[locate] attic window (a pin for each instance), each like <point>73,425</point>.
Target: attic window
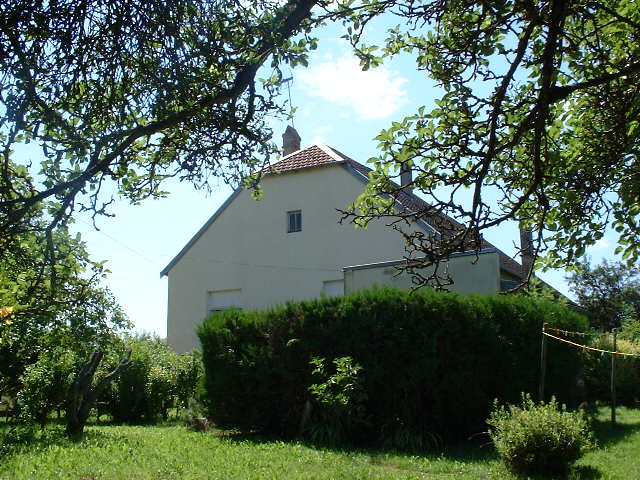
<point>294,221</point>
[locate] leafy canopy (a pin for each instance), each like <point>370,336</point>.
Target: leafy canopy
<point>610,292</point>
<point>537,121</point>
<point>46,305</point>
<point>132,92</point>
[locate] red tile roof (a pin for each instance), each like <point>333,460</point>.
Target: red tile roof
<point>320,155</point>
<point>313,156</point>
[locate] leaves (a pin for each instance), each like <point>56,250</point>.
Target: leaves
<point>132,93</point>
<point>609,292</point>
<point>534,119</point>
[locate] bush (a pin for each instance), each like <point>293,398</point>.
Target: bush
<point>188,377</point>
<point>538,438</point>
<point>339,401</point>
<point>597,372</point>
<point>144,391</point>
<point>432,362</point>
<point>45,384</point>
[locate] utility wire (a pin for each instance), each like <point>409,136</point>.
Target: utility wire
<point>122,244</point>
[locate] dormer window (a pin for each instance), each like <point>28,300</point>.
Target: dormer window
<point>294,221</point>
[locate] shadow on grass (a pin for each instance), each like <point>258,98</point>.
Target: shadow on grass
<point>26,438</point>
<point>579,472</point>
<point>480,450</point>
<point>608,434</point>
<point>584,472</point>
<point>477,450</point>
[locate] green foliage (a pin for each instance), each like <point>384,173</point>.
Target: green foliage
<point>188,375</point>
<point>143,392</point>
<point>170,90</point>
<point>597,371</point>
<point>609,292</point>
<point>53,293</point>
<point>429,360</point>
<point>156,380</point>
<point>535,113</point>
<point>630,331</point>
<point>339,400</point>
<point>45,384</point>
<point>538,438</point>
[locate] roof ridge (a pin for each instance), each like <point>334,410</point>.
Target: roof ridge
<point>337,156</point>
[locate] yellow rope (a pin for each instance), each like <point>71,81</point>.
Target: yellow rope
<point>585,347</point>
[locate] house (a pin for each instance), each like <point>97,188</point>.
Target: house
<point>289,245</point>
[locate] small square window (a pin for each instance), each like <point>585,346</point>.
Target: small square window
<point>294,221</point>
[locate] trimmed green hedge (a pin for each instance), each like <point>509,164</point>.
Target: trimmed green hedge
<point>432,363</point>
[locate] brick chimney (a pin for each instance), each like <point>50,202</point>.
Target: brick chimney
<point>526,248</point>
<point>406,176</point>
<point>290,141</point>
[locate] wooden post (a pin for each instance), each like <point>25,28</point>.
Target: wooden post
<point>543,363</point>
<point>613,377</point>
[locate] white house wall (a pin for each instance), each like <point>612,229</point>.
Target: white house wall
<point>247,248</point>
<point>471,274</point>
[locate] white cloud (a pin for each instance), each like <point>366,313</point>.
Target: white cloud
<point>373,94</point>
<point>319,134</point>
<point>304,111</point>
<point>602,243</point>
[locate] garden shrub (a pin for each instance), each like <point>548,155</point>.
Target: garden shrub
<point>432,362</point>
<point>597,371</point>
<point>188,376</point>
<point>630,331</point>
<point>45,384</point>
<point>538,438</point>
<point>143,392</point>
<point>338,401</point>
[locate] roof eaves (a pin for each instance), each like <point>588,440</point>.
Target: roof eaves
<point>199,233</point>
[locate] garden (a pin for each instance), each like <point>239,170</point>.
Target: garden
<point>379,384</point>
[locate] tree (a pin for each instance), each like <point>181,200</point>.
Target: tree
<point>47,306</point>
<point>126,92</point>
<point>133,92</point>
<point>537,121</point>
<point>83,393</point>
<point>609,292</point>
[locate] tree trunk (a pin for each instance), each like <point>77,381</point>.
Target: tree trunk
<point>82,396</point>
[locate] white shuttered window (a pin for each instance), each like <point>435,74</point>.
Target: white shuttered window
<point>223,299</point>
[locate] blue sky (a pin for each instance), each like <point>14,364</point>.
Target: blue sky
<point>338,105</point>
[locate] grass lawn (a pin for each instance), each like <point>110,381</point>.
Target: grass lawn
<point>173,452</point>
